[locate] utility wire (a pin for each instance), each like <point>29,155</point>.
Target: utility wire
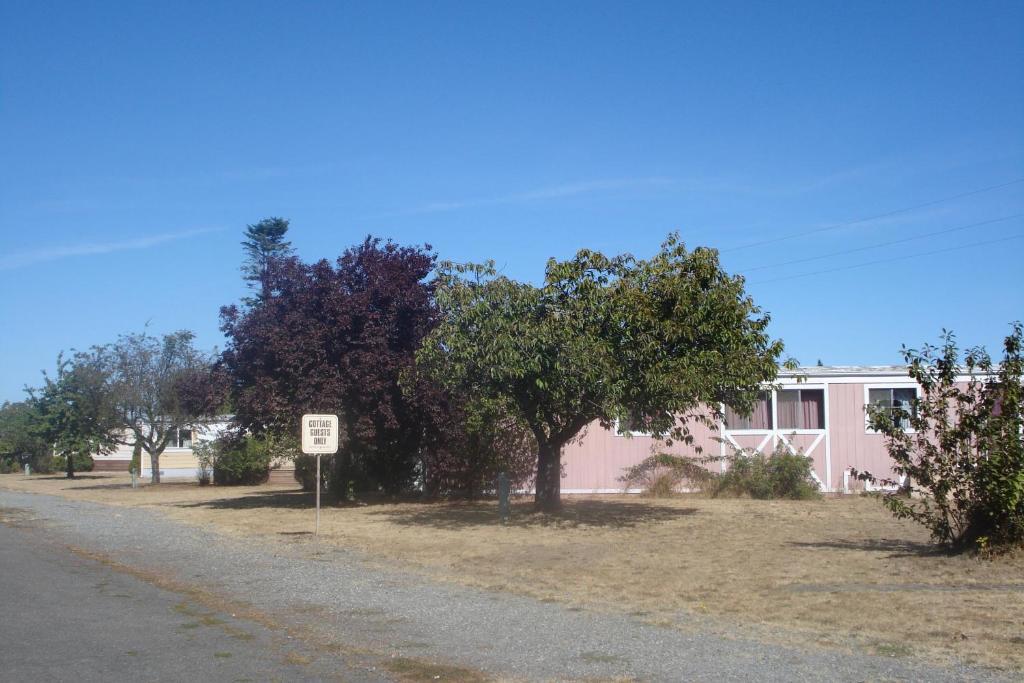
<point>889,260</point>
<point>882,244</point>
<point>837,226</point>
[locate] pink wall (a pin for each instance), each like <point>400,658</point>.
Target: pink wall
<point>595,462</point>
<point>851,444</point>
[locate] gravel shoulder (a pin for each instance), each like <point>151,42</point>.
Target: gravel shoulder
<point>335,600</point>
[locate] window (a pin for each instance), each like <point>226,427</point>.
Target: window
<point>801,409</point>
<point>893,399</point>
<point>633,426</point>
<point>180,438</point>
<point>760,417</point>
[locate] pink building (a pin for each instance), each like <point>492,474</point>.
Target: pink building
<point>823,415</point>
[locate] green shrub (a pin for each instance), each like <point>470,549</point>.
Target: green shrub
<point>779,475</point>
<point>963,454</point>
<point>82,463</point>
<point>235,460</point>
<point>305,471</point>
<point>10,464</point>
<point>662,475</point>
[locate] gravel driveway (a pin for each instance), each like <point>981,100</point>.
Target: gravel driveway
<point>336,600</point>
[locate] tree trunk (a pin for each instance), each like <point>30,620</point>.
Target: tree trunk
<point>154,464</point>
<point>70,465</point>
<point>548,497</point>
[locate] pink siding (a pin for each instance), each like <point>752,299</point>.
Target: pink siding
<point>852,445</point>
<point>600,457</point>
<point>595,462</point>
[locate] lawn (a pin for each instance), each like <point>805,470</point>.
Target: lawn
<point>839,572</point>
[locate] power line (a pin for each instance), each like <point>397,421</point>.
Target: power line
<point>837,226</point>
<point>882,244</point>
<point>889,260</point>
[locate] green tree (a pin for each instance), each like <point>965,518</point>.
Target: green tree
<point>153,384</point>
<point>264,241</point>
<point>20,441</point>
<point>960,444</point>
<point>76,410</point>
<point>664,340</point>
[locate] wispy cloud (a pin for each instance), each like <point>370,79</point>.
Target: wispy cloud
<point>541,194</point>
<point>29,257</point>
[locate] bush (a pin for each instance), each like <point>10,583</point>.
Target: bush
<point>305,471</point>
<point>236,459</point>
<point>82,463</point>
<point>662,475</point>
<point>779,475</point>
<point>964,451</point>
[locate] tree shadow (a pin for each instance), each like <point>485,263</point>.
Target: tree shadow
<point>62,477</point>
<point>462,514</point>
<point>895,547</point>
<point>574,514</point>
<point>291,500</point>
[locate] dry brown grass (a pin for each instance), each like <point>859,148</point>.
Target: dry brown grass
<point>838,572</point>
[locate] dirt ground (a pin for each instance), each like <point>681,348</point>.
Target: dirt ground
<point>839,572</point>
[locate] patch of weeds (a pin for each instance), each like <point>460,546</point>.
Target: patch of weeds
<point>210,620</point>
<point>600,658</point>
<point>893,650</point>
<point>132,653</point>
<point>411,645</point>
<point>222,655</point>
<point>297,659</point>
<point>239,634</point>
<point>190,625</point>
<point>417,671</point>
<point>364,612</point>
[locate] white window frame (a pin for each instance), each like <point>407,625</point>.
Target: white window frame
<point>887,385</point>
<point>629,433</point>
<point>177,435</point>
<point>771,413</point>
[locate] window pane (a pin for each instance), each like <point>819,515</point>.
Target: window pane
<point>789,409</point>
<point>760,418</point>
<point>812,408</point>
<point>880,397</point>
<point>904,399</point>
<point>185,438</point>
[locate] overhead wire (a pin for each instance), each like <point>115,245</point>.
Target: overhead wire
<point>837,226</point>
<point>890,260</point>
<point>879,245</point>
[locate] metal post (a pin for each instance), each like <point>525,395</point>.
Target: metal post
<point>316,532</point>
<point>135,479</point>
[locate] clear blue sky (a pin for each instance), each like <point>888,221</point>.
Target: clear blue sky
<point>138,139</point>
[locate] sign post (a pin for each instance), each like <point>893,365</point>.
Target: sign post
<point>319,436</point>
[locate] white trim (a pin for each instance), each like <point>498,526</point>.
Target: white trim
<point>828,446</point>
<point>630,433</point>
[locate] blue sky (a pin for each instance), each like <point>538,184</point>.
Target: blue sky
<point>138,139</point>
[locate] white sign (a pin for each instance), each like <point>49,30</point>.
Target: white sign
<point>319,434</point>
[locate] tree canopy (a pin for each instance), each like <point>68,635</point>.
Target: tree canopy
<point>336,339</point>
<point>152,384</point>
<point>75,410</point>
<point>664,340</point>
<point>264,242</point>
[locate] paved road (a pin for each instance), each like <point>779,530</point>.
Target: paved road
<point>373,620</point>
<point>64,617</point>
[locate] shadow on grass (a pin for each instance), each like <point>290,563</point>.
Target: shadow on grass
<point>574,513</point>
<point>291,500</point>
<point>462,515</point>
<point>893,546</point>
